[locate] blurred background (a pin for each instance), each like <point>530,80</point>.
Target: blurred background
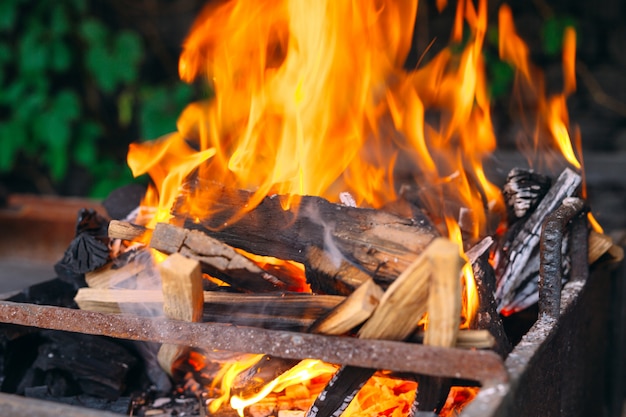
<point>80,80</point>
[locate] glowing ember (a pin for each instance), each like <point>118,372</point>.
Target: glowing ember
<point>311,98</point>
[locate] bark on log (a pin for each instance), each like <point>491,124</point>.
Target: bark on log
<point>125,230</point>
<point>218,259</point>
<point>381,243</point>
<point>517,263</point>
<point>487,316</point>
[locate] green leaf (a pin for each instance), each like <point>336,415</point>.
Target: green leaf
<point>29,106</point>
<point>32,52</point>
<point>85,151</point>
<point>160,108</point>
<point>101,68</point>
<point>66,105</point>
<point>54,133</point>
<point>59,23</point>
<point>93,31</point>
<point>117,176</point>
<point>552,33</point>
<point>8,14</point>
<point>6,53</point>
<point>12,136</point>
<point>61,57</point>
<point>125,103</point>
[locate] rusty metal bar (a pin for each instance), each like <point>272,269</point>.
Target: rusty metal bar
<point>550,271</point>
<point>485,367</point>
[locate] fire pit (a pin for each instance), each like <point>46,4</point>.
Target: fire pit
<point>328,238</point>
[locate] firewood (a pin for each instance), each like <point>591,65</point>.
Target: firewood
<point>523,191</point>
<point>380,243</point>
<point>444,316</point>
<point>136,271</point>
<point>601,244</point>
<point>327,276</point>
<point>125,230</point>
<point>292,311</point>
<point>396,317</point>
<point>351,312</point>
<point>218,259</point>
<point>517,265</point>
<point>183,299</point>
<point>444,295</point>
<point>466,339</point>
<point>487,316</point>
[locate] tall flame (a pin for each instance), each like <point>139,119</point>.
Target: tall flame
<point>312,98</point>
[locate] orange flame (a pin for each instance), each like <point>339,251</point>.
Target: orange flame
<point>311,98</point>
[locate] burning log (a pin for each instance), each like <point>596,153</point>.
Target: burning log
<point>406,297</point>
<point>218,259</point>
<point>351,312</point>
<point>274,311</point>
<point>380,243</point>
<point>125,230</point>
<point>325,276</point>
<point>517,263</point>
<point>444,315</point>
<point>182,300</point>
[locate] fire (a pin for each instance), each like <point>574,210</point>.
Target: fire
<point>312,98</point>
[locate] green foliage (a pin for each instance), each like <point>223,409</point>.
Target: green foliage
<point>63,69</point>
<point>552,33</point>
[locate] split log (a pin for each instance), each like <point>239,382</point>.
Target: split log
<point>328,276</point>
<point>380,243</point>
<point>273,311</point>
<point>132,269</point>
<point>517,262</point>
<point>182,300</point>
<point>396,317</point>
<point>351,312</point>
<point>125,230</point>
<point>601,244</point>
<point>218,259</point>
<point>444,316</point>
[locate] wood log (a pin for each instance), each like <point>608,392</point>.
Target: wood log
<point>523,191</point>
<point>517,264</point>
<point>351,312</point>
<point>380,243</point>
<point>601,244</point>
<point>327,276</point>
<point>218,259</point>
<point>444,317</point>
<point>183,299</point>
<point>125,230</point>
<point>273,311</point>
<point>396,317</point>
<point>132,269</point>
<point>487,316</point>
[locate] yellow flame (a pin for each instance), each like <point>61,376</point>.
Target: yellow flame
<point>302,372</point>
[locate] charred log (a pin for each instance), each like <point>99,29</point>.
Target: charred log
<point>380,243</point>
<point>517,261</point>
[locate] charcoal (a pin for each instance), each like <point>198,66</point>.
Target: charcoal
<point>88,251</point>
<point>99,366</point>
